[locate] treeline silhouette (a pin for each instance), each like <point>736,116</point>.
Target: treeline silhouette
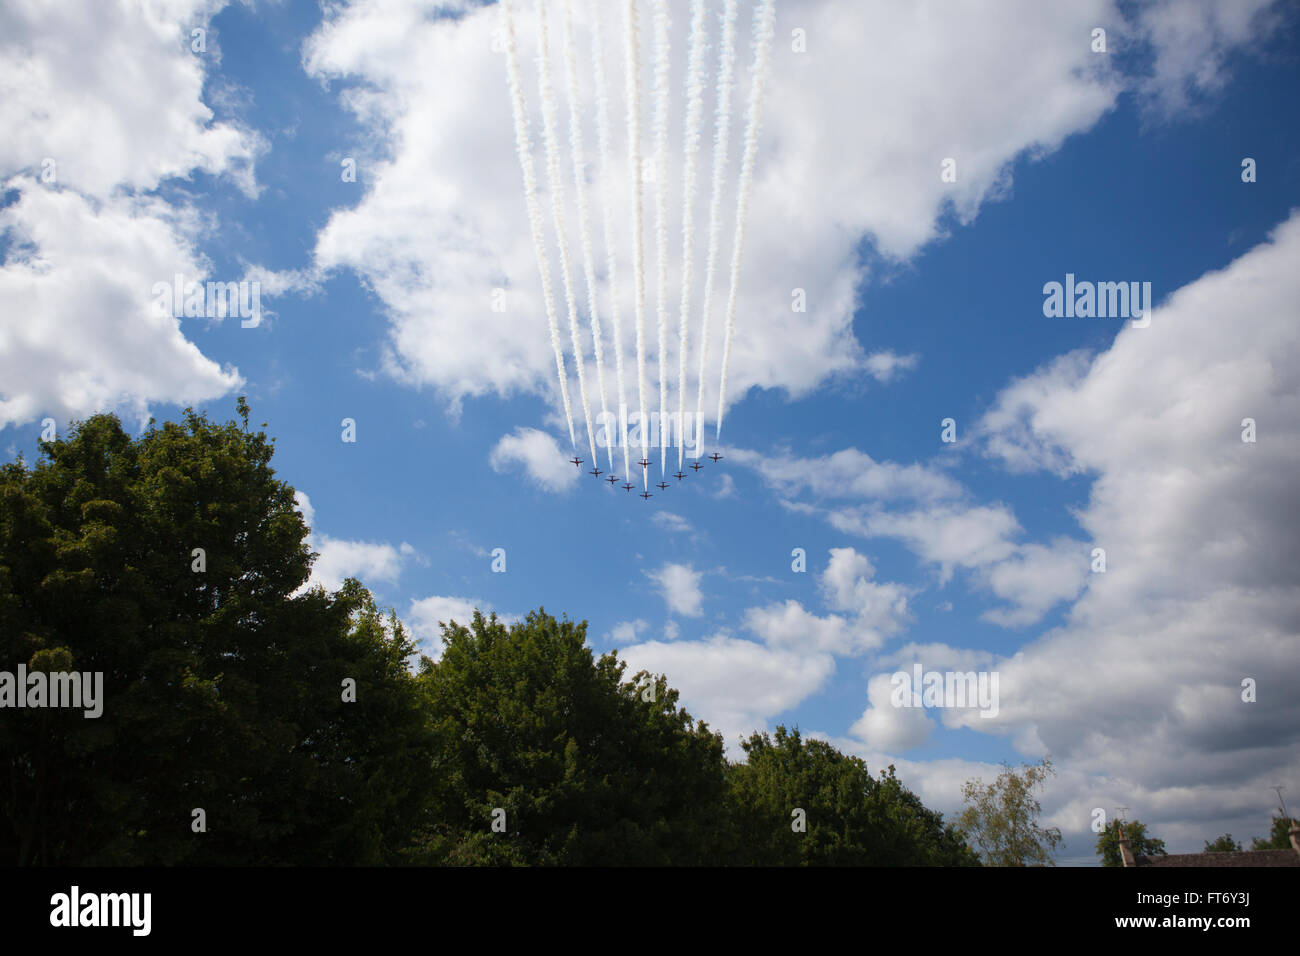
<point>174,562</point>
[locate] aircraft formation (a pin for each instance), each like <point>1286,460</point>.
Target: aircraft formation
<point>645,474</point>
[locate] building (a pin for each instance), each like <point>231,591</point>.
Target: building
<point>1289,857</point>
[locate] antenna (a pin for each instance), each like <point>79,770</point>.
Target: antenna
<point>1120,811</point>
<point>1279,790</point>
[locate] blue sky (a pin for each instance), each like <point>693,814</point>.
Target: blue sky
<point>1116,166</point>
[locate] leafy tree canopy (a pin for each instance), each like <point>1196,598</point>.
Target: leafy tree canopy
<point>1141,843</point>
<point>802,802</point>
<point>172,563</point>
<point>1279,837</point>
<point>576,764</point>
<point>1002,817</point>
<point>1223,844</point>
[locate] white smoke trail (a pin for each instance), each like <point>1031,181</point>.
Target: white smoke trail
<point>763,18</point>
<point>584,227</point>
<point>722,126</point>
<point>523,146</point>
<point>661,215</point>
<point>638,254</point>
<point>691,145</point>
<point>607,205</point>
<point>556,187</point>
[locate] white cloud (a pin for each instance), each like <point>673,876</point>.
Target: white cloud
<point>449,193</point>
<point>790,625</point>
<point>76,322</point>
<point>883,726</point>
<point>443,222</point>
<point>1201,540</point>
<point>735,685</point>
<point>950,536</point>
<point>65,95</point>
<point>848,473</point>
<point>680,586</point>
<point>1036,579</point>
<point>427,615</point>
<point>885,366</point>
<point>877,610</point>
<point>78,331</point>
<point>338,559</point>
<point>540,456</point>
<point>627,632</point>
<point>671,522</point>
<point>368,561</point>
<point>879,606</point>
<point>1192,40</point>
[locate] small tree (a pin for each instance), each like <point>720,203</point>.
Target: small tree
<point>1279,838</point>
<point>1223,844</point>
<point>1140,842</point>
<point>1002,817</point>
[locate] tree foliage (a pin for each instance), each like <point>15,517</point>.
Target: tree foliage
<point>1002,817</point>
<point>1140,842</point>
<point>176,564</point>
<point>1223,844</point>
<point>1279,837</point>
<point>848,818</point>
<point>589,768</point>
<point>222,684</point>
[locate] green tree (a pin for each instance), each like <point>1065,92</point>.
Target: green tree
<point>848,818</point>
<point>1279,837</point>
<point>1002,817</point>
<point>172,563</point>
<point>1140,842</point>
<point>588,768</point>
<point>1223,844</point>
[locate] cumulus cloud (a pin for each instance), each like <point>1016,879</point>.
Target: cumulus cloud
<point>1200,531</point>
<point>427,615</point>
<point>78,330</point>
<point>949,535</point>
<point>735,685</point>
<point>85,140</point>
<point>627,632</point>
<point>1035,579</point>
<point>883,726</point>
<point>875,611</point>
<point>338,559</point>
<point>539,455</point>
<point>880,607</point>
<point>443,222</point>
<point>65,95</point>
<point>680,586</point>
<point>789,624</point>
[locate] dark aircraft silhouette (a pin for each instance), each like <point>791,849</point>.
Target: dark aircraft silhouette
<point>662,485</point>
<point>612,479</point>
<point>629,486</point>
<point>576,461</point>
<point>644,462</point>
<point>715,456</point>
<point>596,471</point>
<point>679,476</point>
<point>646,495</point>
<point>696,465</point>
